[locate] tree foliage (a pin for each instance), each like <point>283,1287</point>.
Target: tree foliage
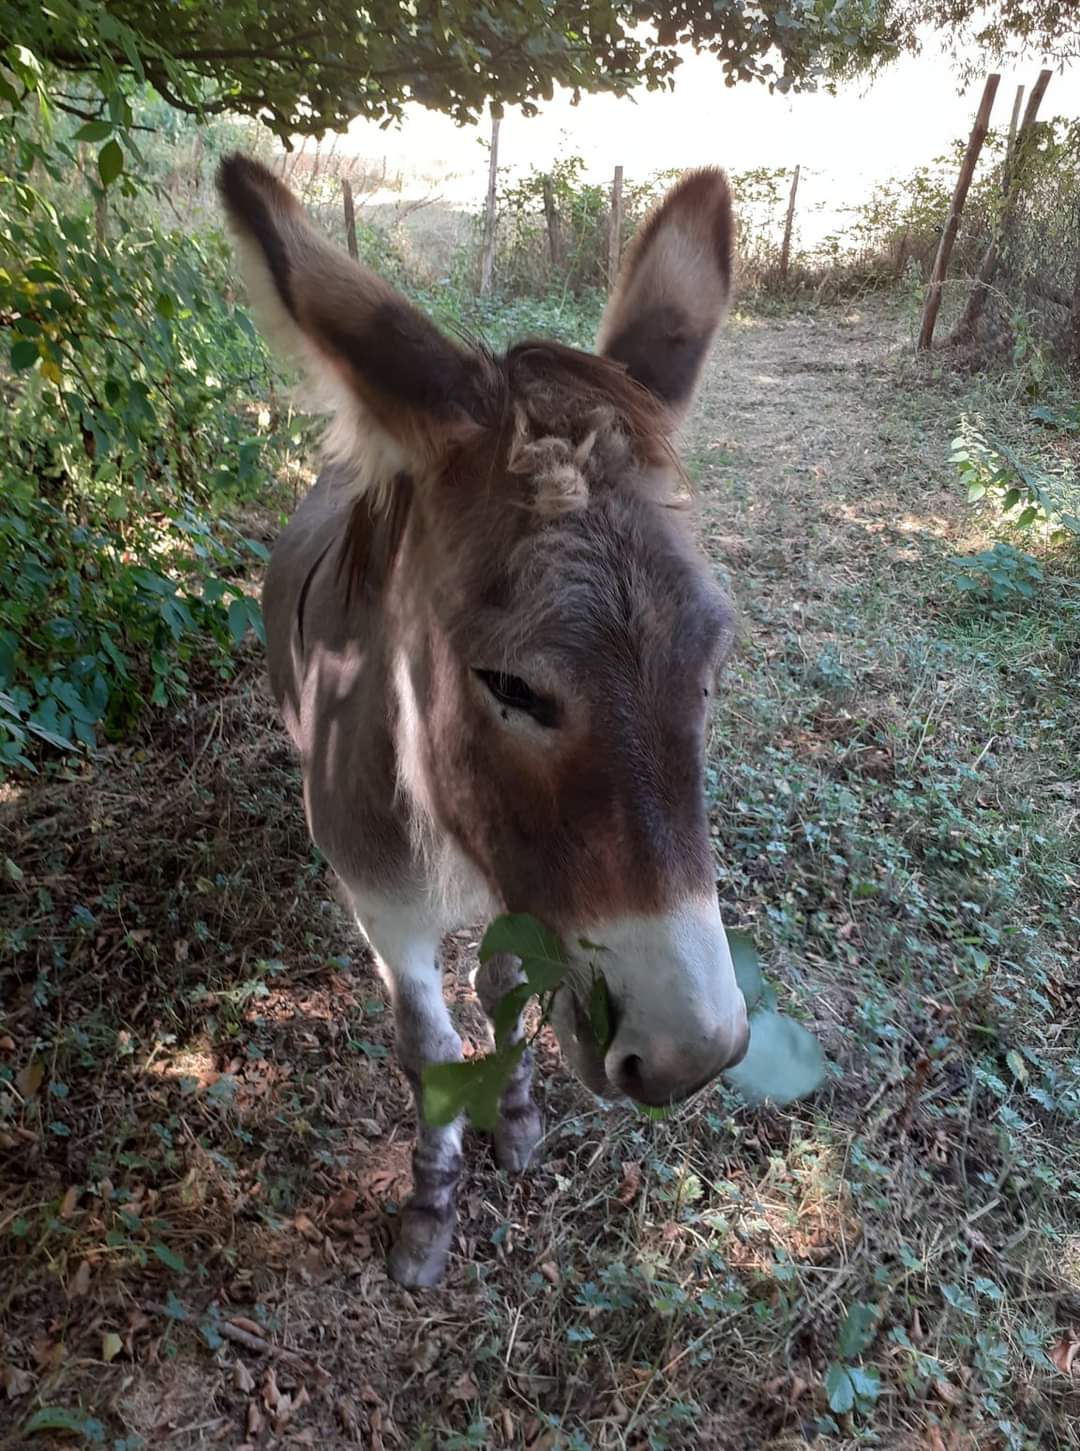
<point>993,31</point>
<point>305,71</point>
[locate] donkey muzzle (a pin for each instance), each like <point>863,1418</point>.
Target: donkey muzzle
<point>677,1014</point>
<point>657,1077</point>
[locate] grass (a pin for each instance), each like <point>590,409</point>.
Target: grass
<point>201,1141</point>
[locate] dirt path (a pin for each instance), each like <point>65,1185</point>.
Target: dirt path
<point>810,473</point>
<point>211,1140</point>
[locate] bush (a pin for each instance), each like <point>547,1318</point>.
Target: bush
<point>1001,577</point>
<point>125,376</point>
<point>553,232</point>
<point>1028,486</point>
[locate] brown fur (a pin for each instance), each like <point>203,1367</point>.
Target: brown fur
<point>493,641</point>
<point>578,421</point>
<point>673,288</point>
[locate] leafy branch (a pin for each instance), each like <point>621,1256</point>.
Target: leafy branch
<point>784,1061</point>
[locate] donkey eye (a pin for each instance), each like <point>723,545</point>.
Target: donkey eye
<point>516,694</point>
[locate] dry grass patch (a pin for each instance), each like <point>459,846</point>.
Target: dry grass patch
<point>204,1146</point>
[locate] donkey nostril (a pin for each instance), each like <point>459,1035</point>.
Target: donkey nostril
<point>631,1075</point>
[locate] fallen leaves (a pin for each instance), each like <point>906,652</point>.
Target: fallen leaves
<point>310,1231</point>
<point>422,1355</point>
<point>29,1079</point>
<point>947,1392</point>
<point>341,1208</point>
<point>1063,1353</point>
<point>254,1421</point>
<point>935,1441</point>
<point>629,1183</point>
<point>281,1404</point>
<point>16,1382</point>
<point>80,1282</point>
<point>463,1389</point>
<point>789,1387</point>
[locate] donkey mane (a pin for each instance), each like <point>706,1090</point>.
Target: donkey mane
<point>569,421</point>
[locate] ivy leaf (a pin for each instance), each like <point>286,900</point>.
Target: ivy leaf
<point>110,162</point>
<point>959,1299</point>
<point>475,1086</point>
<point>865,1382</point>
<point>857,1331</point>
<point>988,1288</point>
<point>839,1390</point>
<point>59,1418</point>
<point>255,619</point>
<point>169,1257</point>
<point>744,959</point>
<point>600,1014</point>
<point>1017,1066</point>
<point>24,354</point>
<point>538,949</point>
<point>445,1089</point>
<point>784,1061</point>
<point>239,618</point>
<point>509,1010</point>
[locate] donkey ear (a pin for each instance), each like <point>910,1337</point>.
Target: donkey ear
<point>402,392</point>
<point>673,289</point>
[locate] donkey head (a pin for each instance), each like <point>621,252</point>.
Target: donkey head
<point>553,633</point>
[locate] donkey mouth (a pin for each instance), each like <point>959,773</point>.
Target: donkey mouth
<point>586,1058</point>
<point>577,1041</point>
<point>670,1100</point>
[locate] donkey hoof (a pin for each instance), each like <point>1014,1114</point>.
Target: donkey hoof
<point>419,1255</point>
<point>516,1137</point>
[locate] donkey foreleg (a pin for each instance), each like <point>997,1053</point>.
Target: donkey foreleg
<point>518,1128</point>
<point>407,952</point>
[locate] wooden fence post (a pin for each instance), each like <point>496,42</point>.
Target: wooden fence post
<point>1010,186</point>
<point>1017,103</point>
<point>785,250</point>
<point>952,223</point>
<point>1074,318</point>
<point>615,225</point>
<point>350,219</point>
<point>487,254</point>
<point>553,229</point>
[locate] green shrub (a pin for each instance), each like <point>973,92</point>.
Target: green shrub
<point>126,374</point>
<point>1000,576</point>
<point>1029,486</point>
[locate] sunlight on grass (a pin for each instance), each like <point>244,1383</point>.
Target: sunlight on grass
<point>1070,1261</point>
<point>195,1063</point>
<point>747,321</point>
<point>800,1212</point>
<point>880,520</point>
<point>11,794</point>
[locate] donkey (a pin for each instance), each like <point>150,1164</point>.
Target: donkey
<point>493,642</point>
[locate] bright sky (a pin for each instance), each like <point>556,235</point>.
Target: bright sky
<point>846,142</point>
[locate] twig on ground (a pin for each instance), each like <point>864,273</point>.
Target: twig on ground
<point>235,1333</point>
